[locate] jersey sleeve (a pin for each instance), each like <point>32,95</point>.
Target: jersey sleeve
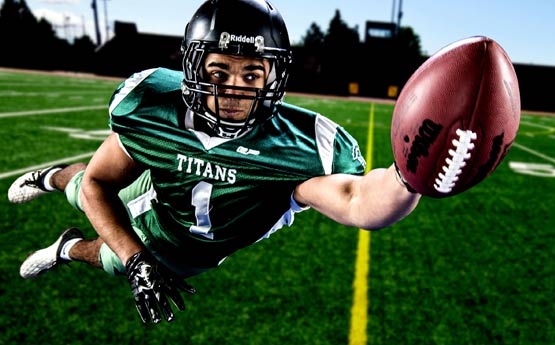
<point>144,111</point>
<point>127,96</point>
<point>347,156</point>
<point>338,150</point>
<point>142,95</point>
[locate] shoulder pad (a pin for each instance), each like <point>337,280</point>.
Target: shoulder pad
<point>129,94</point>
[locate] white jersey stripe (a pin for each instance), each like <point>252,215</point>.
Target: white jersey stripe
<point>128,86</point>
<point>325,137</point>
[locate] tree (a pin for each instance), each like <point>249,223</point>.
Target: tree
<point>408,43</point>
<point>314,37</point>
<point>31,43</point>
<point>341,56</point>
<point>82,58</point>
<point>340,34</point>
<point>25,41</point>
<point>328,63</point>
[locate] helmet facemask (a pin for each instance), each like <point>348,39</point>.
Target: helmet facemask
<point>196,88</point>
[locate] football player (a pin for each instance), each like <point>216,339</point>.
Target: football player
<point>209,160</point>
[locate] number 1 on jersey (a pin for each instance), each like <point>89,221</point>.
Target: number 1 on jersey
<point>201,201</point>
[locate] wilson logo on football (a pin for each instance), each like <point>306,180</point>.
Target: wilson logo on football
<point>427,135</point>
<point>457,160</point>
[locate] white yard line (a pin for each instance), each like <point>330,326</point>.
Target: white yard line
<point>52,111</point>
<point>533,152</point>
<point>45,165</point>
<point>531,124</point>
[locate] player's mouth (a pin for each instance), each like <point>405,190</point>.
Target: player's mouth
<point>232,113</point>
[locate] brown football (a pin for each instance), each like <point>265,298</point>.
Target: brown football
<point>456,117</point>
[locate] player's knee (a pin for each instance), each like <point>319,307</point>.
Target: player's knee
<point>72,190</point>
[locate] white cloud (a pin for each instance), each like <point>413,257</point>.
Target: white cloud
<point>68,21</point>
<point>66,24</point>
<point>57,18</point>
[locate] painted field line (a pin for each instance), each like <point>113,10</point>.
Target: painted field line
<point>51,111</point>
<point>537,125</point>
<point>535,153</point>
<point>358,334</point>
<point>45,165</point>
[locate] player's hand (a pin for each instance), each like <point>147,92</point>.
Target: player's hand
<point>402,180</point>
<point>152,285</point>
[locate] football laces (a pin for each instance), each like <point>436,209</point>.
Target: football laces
<point>456,161</point>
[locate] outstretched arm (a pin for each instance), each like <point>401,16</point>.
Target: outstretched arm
<point>371,202</point>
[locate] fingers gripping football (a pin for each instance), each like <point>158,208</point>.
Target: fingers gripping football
<point>153,286</point>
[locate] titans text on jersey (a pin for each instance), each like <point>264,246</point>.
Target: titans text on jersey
<point>192,165</point>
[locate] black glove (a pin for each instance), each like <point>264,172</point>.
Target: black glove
<point>402,179</point>
<point>152,285</point>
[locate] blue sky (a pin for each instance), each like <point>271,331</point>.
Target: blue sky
<point>524,28</point>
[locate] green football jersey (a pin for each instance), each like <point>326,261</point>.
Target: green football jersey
<point>213,196</point>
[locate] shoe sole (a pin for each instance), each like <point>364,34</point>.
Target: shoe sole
<point>43,260</point>
<point>20,193</point>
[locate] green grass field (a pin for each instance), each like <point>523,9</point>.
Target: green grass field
<point>477,268</point>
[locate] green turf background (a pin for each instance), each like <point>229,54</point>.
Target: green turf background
<point>477,268</point>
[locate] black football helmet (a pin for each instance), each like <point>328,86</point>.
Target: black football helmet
<point>252,28</point>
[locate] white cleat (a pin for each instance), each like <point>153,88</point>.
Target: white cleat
<point>30,186</point>
<point>43,260</point>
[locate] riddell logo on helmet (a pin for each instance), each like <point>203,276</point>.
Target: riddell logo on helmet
<point>226,37</point>
<point>241,39</point>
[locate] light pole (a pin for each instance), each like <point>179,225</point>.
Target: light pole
<point>97,29</point>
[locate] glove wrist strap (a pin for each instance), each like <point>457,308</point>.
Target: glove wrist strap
<point>135,259</point>
<point>402,180</point>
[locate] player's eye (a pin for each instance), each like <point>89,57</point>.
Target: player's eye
<point>218,76</point>
<point>251,78</point>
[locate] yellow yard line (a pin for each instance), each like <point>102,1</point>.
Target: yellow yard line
<point>359,311</point>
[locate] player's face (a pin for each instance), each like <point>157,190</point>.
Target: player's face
<point>229,70</point>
